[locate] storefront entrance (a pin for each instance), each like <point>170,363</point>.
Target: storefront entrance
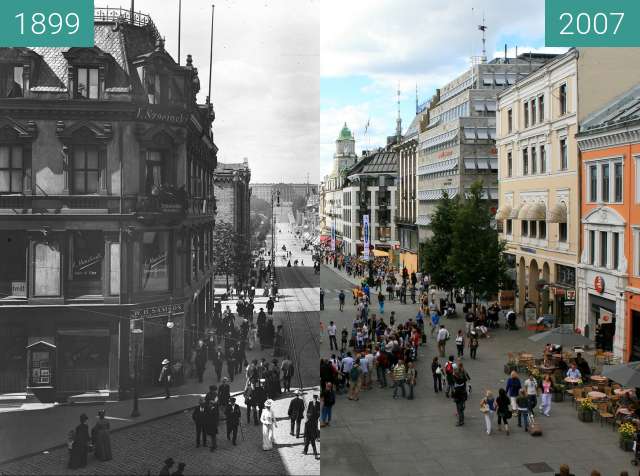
<point>635,336</point>
<point>603,319</point>
<point>83,360</point>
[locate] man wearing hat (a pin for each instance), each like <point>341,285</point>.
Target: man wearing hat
<point>224,392</point>
<point>296,413</point>
<point>199,416</point>
<point>259,398</point>
<point>168,463</point>
<point>166,377</point>
<point>233,419</point>
<point>218,359</point>
<point>311,427</point>
<point>212,394</point>
<point>211,422</point>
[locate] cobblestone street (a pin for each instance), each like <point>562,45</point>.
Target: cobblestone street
<point>143,448</point>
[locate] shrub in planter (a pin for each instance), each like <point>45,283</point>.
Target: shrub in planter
<point>585,410</point>
<point>558,393</point>
<point>627,433</point>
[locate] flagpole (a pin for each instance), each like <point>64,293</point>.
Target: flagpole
<point>179,27</point>
<point>211,55</point>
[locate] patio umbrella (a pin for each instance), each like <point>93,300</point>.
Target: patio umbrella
<point>627,374</point>
<point>563,335</point>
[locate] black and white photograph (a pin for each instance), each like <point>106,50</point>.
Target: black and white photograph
<point>159,244</point>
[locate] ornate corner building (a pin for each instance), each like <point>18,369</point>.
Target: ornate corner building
<point>106,211</point>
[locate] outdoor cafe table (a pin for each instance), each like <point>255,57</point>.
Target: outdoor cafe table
<point>622,391</point>
<point>597,395</point>
<point>572,380</point>
<point>599,379</point>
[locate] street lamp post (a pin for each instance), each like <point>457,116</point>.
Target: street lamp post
<point>136,373</point>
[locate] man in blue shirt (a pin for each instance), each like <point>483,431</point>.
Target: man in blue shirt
<point>435,320</point>
<point>573,372</point>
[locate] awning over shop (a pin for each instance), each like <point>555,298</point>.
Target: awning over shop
<point>380,253</point>
<point>504,212</point>
<point>558,213</point>
<point>524,210</point>
<point>537,211</point>
<point>515,212</point>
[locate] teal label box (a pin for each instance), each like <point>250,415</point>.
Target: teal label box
<point>604,23</point>
<point>58,23</point>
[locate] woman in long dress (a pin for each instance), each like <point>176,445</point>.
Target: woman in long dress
<point>268,420</point>
<point>80,446</point>
<point>101,438</point>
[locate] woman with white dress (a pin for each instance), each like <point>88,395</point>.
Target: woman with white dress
<point>268,420</point>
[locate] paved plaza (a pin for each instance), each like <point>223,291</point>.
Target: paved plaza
<point>380,435</point>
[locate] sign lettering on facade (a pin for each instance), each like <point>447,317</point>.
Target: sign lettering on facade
<point>157,311</point>
<point>149,114</point>
<point>19,288</point>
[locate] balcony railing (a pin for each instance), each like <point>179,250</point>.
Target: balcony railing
<point>123,15</point>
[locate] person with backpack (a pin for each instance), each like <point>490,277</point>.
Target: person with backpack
<point>503,410</point>
<point>460,343</point>
<point>522,403</point>
<point>459,394</point>
<point>488,408</point>
<point>448,375</point>
<point>436,372</point>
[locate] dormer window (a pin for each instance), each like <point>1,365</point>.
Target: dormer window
<point>11,81</point>
<point>88,83</point>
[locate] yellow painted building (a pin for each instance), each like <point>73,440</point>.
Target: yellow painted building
<point>539,187</point>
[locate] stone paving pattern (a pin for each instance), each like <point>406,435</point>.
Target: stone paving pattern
<point>379,435</point>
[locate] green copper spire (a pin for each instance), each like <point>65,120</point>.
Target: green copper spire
<point>345,133</point>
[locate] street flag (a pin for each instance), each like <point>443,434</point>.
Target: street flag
<point>365,233</point>
<point>366,127</point>
<point>333,237</point>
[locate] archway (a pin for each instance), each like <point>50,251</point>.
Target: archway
<point>522,271</point>
<point>546,275</point>
<point>534,295</point>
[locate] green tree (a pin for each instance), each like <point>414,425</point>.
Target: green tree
<point>435,252</point>
<point>224,250</point>
<point>476,253</point>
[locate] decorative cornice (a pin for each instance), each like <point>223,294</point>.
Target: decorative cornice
<point>610,138</point>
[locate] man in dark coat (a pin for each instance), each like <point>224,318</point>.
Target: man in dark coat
<point>199,417</point>
<point>218,360</point>
<point>248,400</point>
<point>233,416</point>
<point>201,361</point>
<point>224,392</point>
<point>231,362</point>
<point>211,422</point>
<point>270,306</point>
<point>212,394</point>
<point>311,426</point>
<point>296,413</point>
<point>287,373</point>
<point>259,397</point>
<point>166,377</point>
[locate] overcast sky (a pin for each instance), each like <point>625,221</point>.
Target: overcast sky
<point>369,46</point>
<point>266,83</point>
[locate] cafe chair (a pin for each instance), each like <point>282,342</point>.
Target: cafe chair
<point>604,413</point>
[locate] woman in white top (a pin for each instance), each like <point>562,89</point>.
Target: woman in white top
<point>268,420</point>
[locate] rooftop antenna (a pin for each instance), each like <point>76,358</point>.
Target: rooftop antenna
<point>179,27</point>
<point>399,119</point>
<point>483,29</point>
<point>416,99</point>
<point>210,55</point>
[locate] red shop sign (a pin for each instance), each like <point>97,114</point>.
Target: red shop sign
<point>598,284</point>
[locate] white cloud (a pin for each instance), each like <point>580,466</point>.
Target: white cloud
<point>265,78</point>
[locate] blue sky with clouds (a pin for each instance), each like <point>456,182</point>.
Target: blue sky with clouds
<point>369,47</point>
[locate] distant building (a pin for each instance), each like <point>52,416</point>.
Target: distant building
<point>457,146</point>
<point>106,211</point>
<point>370,188</point>
<point>288,191</point>
<point>343,159</point>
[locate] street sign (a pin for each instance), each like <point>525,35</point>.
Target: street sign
<point>598,284</point>
<point>157,311</point>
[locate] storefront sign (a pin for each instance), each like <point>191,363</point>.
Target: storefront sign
<point>365,233</point>
<point>150,114</point>
<point>569,303</point>
<point>571,294</point>
<point>19,288</point>
<point>157,311</point>
<point>606,317</point>
<point>87,266</point>
<point>598,284</point>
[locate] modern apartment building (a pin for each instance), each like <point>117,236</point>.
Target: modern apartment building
<point>457,146</point>
<point>539,171</point>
